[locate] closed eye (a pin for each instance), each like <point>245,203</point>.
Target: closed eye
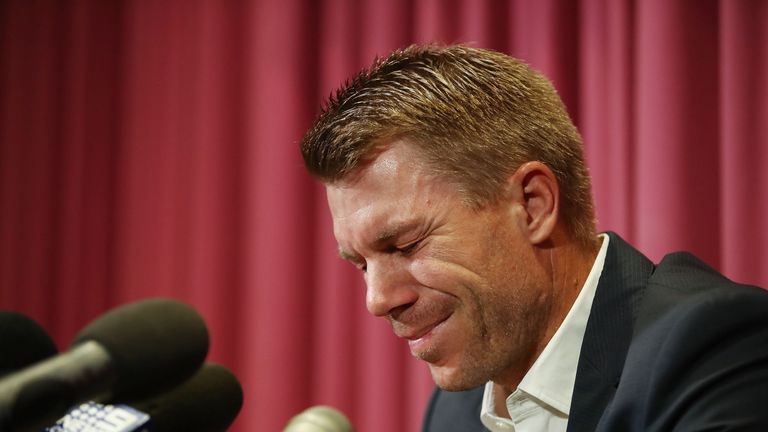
<point>408,249</point>
<point>356,260</point>
<point>359,264</point>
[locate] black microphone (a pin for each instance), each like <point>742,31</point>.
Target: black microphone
<point>22,342</point>
<point>320,418</point>
<point>207,402</point>
<point>131,352</point>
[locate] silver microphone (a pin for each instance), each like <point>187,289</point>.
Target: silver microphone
<point>320,418</point>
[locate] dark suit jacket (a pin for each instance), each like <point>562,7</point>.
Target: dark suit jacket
<point>675,346</point>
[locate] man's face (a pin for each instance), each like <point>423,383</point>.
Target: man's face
<point>463,286</point>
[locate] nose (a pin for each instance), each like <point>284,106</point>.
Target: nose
<point>388,287</point>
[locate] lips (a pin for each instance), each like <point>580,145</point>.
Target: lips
<point>414,333</point>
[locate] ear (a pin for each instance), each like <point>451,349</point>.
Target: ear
<point>535,188</point>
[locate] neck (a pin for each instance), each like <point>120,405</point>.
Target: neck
<point>567,264</point>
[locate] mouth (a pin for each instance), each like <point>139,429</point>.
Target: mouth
<point>421,339</point>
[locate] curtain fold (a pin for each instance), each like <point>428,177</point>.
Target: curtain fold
<point>743,149</point>
<point>150,148</point>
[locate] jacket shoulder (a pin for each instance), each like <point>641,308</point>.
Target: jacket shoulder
<point>699,356</point>
<point>681,281</point>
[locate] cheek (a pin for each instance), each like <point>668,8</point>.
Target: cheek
<point>449,278</point>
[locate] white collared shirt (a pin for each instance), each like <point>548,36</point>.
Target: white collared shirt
<point>542,401</point>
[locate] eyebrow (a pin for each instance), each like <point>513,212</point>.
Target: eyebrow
<point>383,238</point>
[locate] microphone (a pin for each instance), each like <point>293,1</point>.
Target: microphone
<point>134,351</point>
<point>22,342</point>
<point>207,402</point>
<point>320,418</point>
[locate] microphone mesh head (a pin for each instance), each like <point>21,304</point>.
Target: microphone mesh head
<point>207,402</point>
<point>22,342</point>
<point>155,344</point>
<point>319,418</point>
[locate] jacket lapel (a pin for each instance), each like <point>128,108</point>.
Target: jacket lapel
<point>609,332</point>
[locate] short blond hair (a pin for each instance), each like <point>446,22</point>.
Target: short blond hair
<point>475,115</point>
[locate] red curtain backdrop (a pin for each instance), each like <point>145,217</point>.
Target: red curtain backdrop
<point>149,148</point>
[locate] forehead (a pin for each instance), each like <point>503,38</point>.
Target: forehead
<point>390,177</point>
<point>392,189</point>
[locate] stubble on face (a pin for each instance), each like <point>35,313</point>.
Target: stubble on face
<point>504,316</point>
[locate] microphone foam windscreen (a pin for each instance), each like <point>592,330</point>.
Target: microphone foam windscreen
<point>154,344</point>
<point>319,418</point>
<point>22,342</point>
<point>207,402</point>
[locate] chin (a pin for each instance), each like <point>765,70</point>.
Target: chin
<point>456,379</point>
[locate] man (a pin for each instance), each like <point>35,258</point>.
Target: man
<point>457,185</point>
